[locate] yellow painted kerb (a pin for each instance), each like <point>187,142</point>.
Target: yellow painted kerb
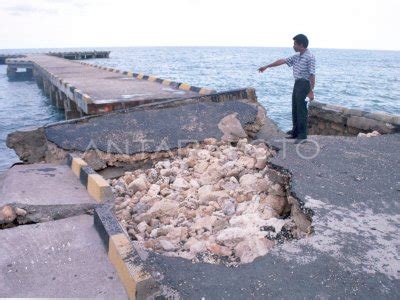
<point>77,164</point>
<point>96,185</point>
<point>152,78</point>
<point>184,86</point>
<point>204,91</point>
<point>118,247</point>
<point>166,82</point>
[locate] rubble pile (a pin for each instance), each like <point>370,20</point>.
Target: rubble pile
<point>218,202</point>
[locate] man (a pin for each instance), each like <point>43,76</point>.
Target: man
<point>304,74</point>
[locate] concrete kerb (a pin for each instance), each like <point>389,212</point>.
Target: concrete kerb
<point>138,283</point>
<point>177,85</point>
<point>95,184</point>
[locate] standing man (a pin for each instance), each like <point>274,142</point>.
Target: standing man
<point>304,74</point>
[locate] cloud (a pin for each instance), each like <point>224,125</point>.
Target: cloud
<point>46,7</point>
<point>71,3</point>
<point>21,10</point>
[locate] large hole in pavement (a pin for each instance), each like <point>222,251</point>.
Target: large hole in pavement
<point>217,202</point>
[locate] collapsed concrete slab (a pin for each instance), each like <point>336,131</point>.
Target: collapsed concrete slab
<point>142,133</point>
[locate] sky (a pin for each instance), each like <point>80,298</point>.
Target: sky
<point>344,24</point>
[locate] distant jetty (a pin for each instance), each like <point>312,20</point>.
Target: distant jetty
<point>73,55</point>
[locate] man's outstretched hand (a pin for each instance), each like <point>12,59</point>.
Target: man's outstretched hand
<point>311,95</point>
<point>262,69</point>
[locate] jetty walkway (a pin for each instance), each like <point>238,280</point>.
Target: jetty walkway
<point>83,89</point>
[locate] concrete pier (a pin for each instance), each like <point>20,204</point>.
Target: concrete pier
<point>81,55</point>
<point>20,69</point>
<point>76,55</point>
<point>4,57</point>
<point>82,89</point>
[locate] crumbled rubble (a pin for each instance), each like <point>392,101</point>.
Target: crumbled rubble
<point>9,215</point>
<point>217,203</point>
<point>369,134</point>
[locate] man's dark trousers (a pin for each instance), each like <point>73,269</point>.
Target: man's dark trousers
<point>299,108</point>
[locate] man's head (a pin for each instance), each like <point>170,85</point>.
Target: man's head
<point>300,43</point>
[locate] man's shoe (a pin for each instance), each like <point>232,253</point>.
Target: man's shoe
<point>291,135</point>
<point>300,141</point>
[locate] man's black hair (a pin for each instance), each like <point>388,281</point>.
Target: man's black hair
<point>301,39</point>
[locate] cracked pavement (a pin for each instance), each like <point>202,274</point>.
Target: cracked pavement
<point>352,186</point>
<point>58,253</point>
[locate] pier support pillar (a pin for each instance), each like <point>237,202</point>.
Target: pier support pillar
<point>55,97</point>
<point>52,95</point>
<point>45,87</point>
<point>11,72</point>
<point>71,110</point>
<point>38,78</point>
<point>59,100</point>
<point>29,73</point>
<point>48,92</point>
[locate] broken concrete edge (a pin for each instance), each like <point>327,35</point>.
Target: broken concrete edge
<point>26,214</point>
<point>308,212</point>
<point>231,95</point>
<point>31,144</point>
<point>137,281</point>
<point>327,119</point>
<point>95,184</point>
<point>140,76</point>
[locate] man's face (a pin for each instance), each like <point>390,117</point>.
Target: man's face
<point>297,47</point>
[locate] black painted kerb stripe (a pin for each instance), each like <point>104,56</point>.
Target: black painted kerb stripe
<point>195,89</point>
<point>106,223</point>
<point>84,174</point>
